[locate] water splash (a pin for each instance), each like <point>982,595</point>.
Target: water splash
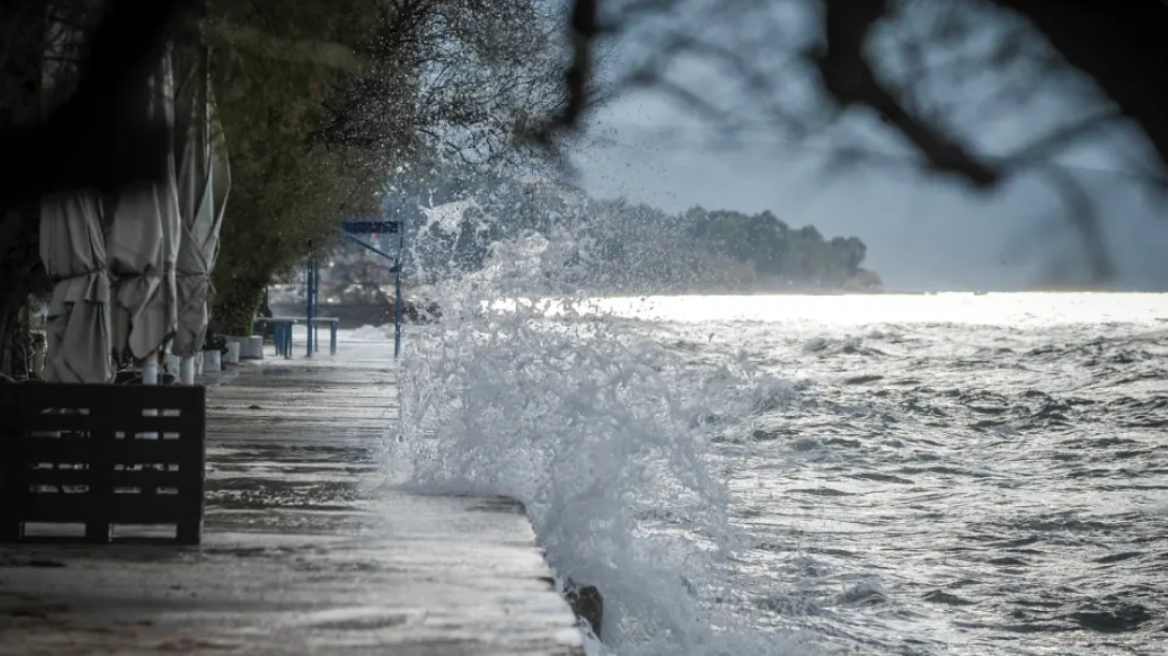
<point>528,389</point>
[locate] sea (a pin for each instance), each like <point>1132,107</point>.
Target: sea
<point>900,474</point>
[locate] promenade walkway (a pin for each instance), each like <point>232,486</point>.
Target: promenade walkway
<point>307,550</point>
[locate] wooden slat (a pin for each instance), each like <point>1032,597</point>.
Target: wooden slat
<point>61,508</point>
<point>126,423</point>
<point>154,509</point>
<point>123,451</point>
<point>150,478</point>
<point>31,398</point>
<point>44,449</point>
<point>120,509</point>
<point>156,451</point>
<point>69,477</point>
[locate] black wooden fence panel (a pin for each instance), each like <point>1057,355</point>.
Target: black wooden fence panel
<point>101,455</point>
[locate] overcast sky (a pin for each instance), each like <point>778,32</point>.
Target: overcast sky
<point>923,233</point>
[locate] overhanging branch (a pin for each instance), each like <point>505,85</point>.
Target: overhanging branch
<point>848,77</point>
<point>1120,46</point>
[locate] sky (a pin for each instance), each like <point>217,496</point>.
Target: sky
<point>923,233</point>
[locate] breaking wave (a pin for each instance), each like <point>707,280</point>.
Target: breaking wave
<point>529,390</point>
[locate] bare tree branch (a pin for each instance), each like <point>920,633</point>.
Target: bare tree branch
<point>848,76</point>
<point>1042,148</point>
<point>582,31</point>
<point>1120,47</point>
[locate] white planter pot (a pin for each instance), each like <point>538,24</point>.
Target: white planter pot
<point>170,364</point>
<point>232,354</point>
<point>250,348</point>
<point>212,362</point>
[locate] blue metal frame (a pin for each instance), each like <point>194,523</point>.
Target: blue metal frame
<point>397,296</point>
<point>364,244</point>
<point>370,227</point>
<point>281,331</point>
<point>310,310</point>
<point>350,229</point>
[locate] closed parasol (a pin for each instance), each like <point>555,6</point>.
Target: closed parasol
<point>204,179</point>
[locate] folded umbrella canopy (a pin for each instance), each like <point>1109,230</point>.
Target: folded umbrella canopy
<point>204,179</point>
<point>142,244</point>
<point>74,256</point>
<point>72,244</point>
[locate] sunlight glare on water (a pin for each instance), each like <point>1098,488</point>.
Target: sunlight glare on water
<point>858,310</point>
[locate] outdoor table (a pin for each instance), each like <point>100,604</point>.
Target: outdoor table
<point>282,332</point>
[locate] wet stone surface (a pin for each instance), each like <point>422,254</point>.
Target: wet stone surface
<point>306,549</point>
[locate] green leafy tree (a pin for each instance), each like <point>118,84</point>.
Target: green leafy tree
<point>272,67</point>
<point>321,101</point>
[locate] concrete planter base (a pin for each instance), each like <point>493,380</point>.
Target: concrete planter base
<point>250,348</point>
<point>232,354</point>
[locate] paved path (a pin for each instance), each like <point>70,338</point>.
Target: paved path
<point>307,551</point>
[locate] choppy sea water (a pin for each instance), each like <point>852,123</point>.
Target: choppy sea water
<point>942,474</point>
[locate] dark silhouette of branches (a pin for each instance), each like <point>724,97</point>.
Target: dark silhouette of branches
<point>1121,51</point>
<point>583,29</point>
<point>89,140</point>
<point>1121,47</point>
<point>1111,58</point>
<point>847,75</point>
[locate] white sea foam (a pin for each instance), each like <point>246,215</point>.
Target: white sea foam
<point>600,431</point>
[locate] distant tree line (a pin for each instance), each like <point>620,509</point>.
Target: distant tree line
<point>620,247</point>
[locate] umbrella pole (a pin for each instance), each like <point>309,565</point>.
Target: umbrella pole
<point>150,369</point>
<point>150,377</point>
<point>187,370</point>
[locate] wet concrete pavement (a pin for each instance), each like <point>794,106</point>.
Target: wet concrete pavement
<point>306,549</point>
